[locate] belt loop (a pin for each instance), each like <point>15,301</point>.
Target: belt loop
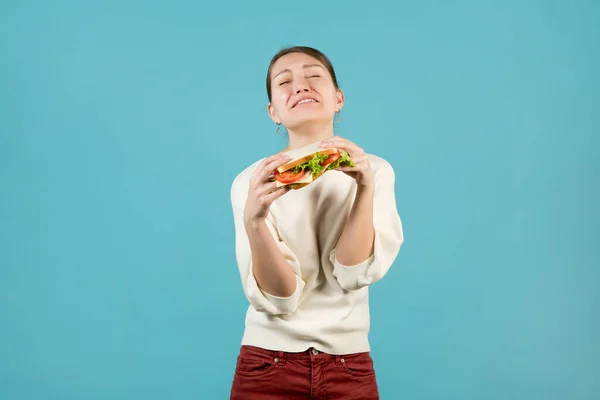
<point>282,356</point>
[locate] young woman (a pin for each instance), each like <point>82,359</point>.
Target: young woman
<point>307,257</point>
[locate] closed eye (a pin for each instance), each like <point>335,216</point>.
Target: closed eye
<point>315,76</point>
<point>283,83</point>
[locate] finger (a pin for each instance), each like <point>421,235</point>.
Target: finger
<point>360,163</point>
<point>335,139</point>
<point>270,165</point>
<point>276,163</point>
<point>271,197</point>
<point>267,188</point>
<point>329,141</point>
<point>260,166</point>
<point>268,160</point>
<point>351,148</point>
<point>360,159</point>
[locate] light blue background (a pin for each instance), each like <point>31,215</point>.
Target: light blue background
<point>123,124</point>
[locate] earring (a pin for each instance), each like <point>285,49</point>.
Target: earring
<point>337,118</point>
<point>278,131</point>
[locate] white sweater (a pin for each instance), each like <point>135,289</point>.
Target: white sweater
<point>329,309</point>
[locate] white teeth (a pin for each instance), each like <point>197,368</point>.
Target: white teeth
<point>306,101</point>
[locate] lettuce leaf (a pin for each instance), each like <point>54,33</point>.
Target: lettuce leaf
<point>313,164</point>
<point>317,169</point>
<point>343,161</point>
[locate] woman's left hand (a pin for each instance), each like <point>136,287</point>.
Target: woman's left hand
<point>361,172</point>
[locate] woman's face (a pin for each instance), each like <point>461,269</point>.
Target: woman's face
<point>302,91</point>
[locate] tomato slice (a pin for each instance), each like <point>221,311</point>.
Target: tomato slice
<point>331,159</point>
<point>289,176</point>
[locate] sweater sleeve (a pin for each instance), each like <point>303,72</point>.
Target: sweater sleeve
<point>389,236</point>
<point>259,299</point>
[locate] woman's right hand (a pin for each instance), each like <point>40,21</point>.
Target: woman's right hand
<point>263,191</point>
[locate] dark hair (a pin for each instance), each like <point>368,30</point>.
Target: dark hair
<point>306,50</point>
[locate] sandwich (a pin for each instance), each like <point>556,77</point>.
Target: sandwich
<point>309,163</point>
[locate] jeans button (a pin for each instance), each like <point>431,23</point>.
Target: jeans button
<point>315,351</point>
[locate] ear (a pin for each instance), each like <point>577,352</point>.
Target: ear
<point>339,100</point>
<point>273,113</point>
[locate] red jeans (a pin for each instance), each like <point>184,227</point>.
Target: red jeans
<point>311,375</point>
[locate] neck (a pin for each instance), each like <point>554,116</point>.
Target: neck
<point>305,135</point>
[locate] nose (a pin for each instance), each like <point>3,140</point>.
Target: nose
<point>301,85</point>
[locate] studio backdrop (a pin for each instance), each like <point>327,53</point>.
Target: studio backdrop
<point>123,125</point>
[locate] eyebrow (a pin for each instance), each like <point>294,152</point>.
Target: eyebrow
<point>304,66</point>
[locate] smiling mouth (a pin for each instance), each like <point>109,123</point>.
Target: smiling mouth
<point>305,101</point>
